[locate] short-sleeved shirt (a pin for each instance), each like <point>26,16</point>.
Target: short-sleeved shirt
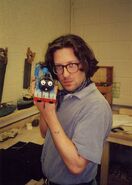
<point>86,118</point>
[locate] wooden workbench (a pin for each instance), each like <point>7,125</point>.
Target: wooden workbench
<point>118,138</point>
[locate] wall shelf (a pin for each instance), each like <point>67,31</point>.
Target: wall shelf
<point>17,116</point>
<point>103,79</point>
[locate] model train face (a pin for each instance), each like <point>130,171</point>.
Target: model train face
<point>46,83</point>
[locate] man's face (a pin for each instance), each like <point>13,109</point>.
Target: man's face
<point>69,81</point>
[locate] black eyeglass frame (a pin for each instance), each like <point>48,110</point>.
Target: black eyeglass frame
<point>66,66</point>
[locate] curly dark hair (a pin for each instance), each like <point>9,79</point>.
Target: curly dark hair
<point>81,50</point>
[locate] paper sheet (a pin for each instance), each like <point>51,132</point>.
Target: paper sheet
<point>123,121</point>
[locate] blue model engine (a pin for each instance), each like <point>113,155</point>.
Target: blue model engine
<point>44,84</point>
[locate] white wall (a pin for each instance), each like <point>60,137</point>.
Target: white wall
<point>105,24</point>
<point>107,27</point>
<point>28,23</point>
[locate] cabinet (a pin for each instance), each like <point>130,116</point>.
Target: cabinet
<point>103,79</point>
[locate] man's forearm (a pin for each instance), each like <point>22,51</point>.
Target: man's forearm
<point>43,126</point>
<point>66,148</point>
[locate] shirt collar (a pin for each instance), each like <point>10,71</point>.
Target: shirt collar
<point>84,92</point>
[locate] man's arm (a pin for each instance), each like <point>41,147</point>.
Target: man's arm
<point>43,126</point>
<point>42,123</point>
<point>66,148</point>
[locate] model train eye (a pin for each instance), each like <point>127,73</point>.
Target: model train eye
<point>50,83</point>
<point>43,82</point>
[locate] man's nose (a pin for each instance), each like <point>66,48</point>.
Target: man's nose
<point>65,73</point>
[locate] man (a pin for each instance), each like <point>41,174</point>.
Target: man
<point>76,128</point>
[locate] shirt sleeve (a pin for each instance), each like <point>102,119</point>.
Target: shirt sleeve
<point>93,126</point>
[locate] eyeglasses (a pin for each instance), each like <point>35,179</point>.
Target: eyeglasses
<point>71,68</point>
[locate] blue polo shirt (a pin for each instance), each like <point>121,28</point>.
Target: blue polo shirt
<point>86,118</point>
